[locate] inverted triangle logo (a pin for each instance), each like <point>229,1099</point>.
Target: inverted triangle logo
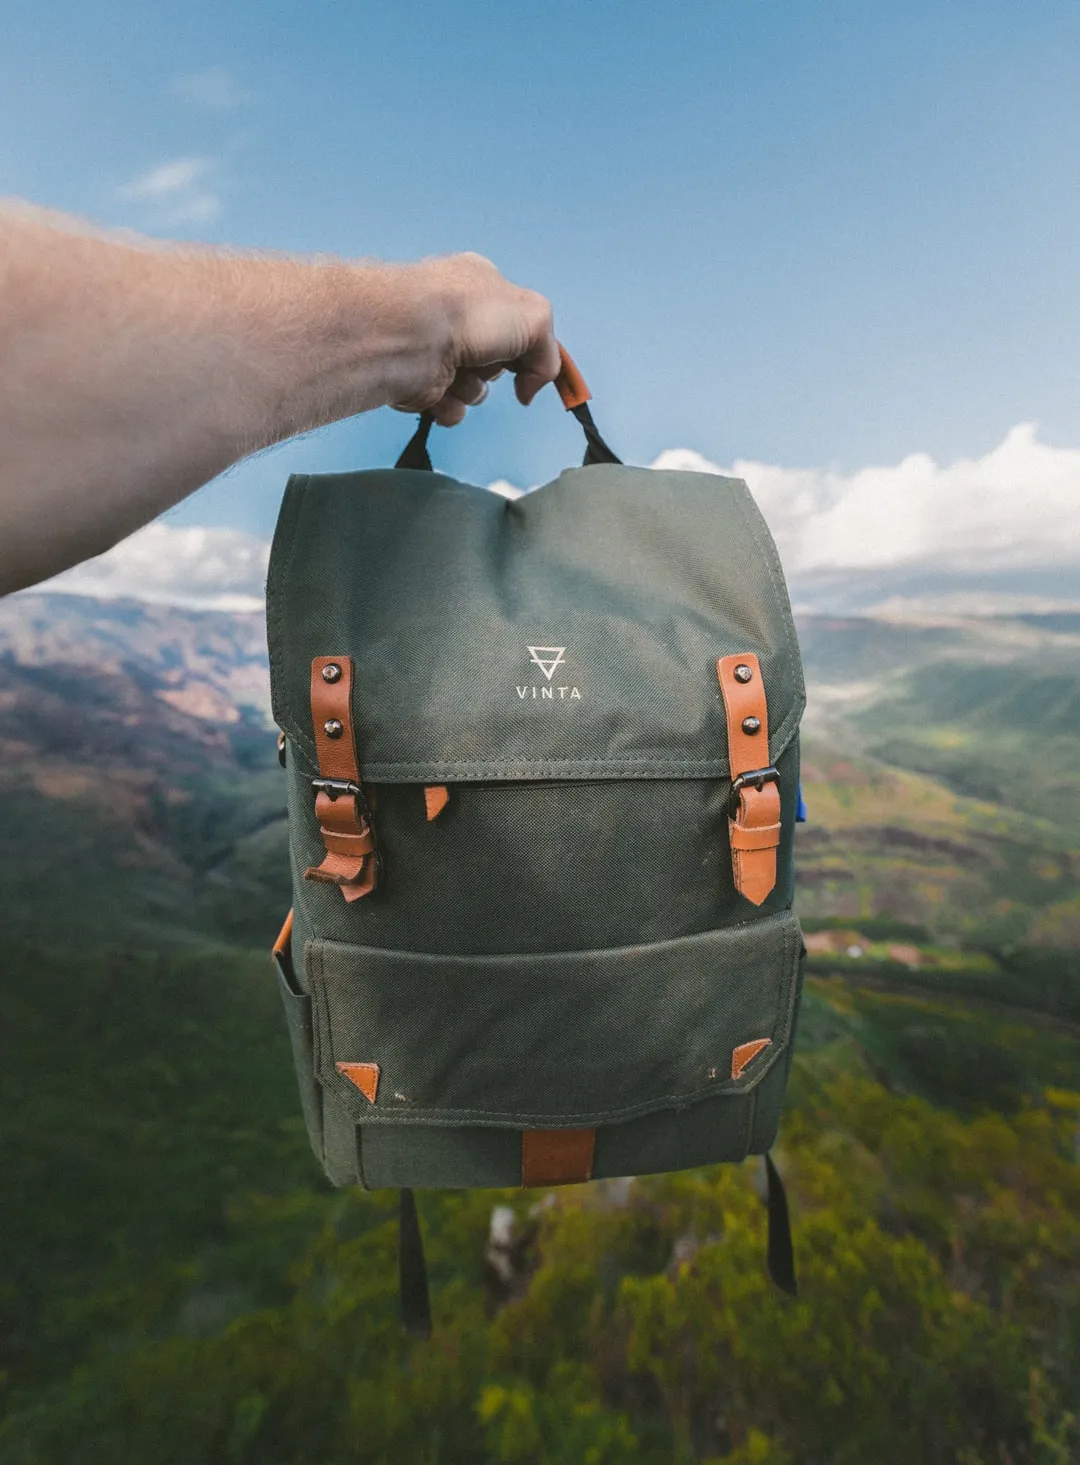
<point>547,658</point>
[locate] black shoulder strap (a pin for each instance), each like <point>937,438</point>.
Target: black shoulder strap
<point>412,1271</point>
<point>781,1254</point>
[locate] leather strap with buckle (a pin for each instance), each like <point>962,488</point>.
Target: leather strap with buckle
<point>754,812</point>
<point>342,807</point>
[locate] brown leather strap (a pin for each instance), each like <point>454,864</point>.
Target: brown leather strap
<point>755,829</point>
<point>556,1156</point>
<point>344,825</point>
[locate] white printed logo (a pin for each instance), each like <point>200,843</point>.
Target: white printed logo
<point>548,658</point>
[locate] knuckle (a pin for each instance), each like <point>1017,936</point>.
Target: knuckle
<point>539,311</point>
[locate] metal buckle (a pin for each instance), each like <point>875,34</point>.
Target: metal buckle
<point>335,786</point>
<point>757,777</point>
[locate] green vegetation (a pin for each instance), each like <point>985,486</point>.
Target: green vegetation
<point>938,1320</point>
<point>1005,734</point>
<point>187,1289</point>
<point>181,1285</point>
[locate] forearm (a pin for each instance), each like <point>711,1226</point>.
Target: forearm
<point>131,376</point>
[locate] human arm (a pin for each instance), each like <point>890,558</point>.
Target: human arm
<point>132,373</point>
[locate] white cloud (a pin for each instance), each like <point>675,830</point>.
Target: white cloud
<point>976,527</point>
<point>205,569</point>
<point>1016,508</point>
<point>177,190</point>
<point>213,88</point>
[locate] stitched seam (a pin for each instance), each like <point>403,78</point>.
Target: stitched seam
<point>313,959</point>
<point>550,762</point>
<point>359,1132</point>
<point>284,534</point>
<point>384,772</point>
<point>293,495</point>
<point>782,918</point>
<point>589,1117</point>
<point>751,1111</point>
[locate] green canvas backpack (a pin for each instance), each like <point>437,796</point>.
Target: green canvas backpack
<point>542,765</point>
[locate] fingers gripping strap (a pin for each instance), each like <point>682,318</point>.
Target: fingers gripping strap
<point>575,396</point>
<point>755,828</point>
<point>343,821</point>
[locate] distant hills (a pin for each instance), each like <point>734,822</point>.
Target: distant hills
<point>140,795</point>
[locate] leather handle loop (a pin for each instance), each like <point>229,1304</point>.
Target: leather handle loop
<point>570,384</point>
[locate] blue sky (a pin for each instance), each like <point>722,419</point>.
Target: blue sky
<point>812,235</point>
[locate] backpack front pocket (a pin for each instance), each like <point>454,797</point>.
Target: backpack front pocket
<point>563,1039</point>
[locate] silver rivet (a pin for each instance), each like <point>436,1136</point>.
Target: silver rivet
<point>331,672</point>
<point>751,725</point>
<point>332,728</point>
<point>743,673</point>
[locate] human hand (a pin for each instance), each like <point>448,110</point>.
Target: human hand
<point>472,325</point>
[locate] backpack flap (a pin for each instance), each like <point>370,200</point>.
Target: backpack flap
<point>572,633</point>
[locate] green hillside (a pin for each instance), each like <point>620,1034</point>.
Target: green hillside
<point>187,1289</point>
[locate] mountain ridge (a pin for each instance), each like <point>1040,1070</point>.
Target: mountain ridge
<point>145,732</point>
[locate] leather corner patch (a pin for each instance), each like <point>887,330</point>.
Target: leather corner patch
<point>436,798</point>
<point>741,1055</point>
<point>364,1075</point>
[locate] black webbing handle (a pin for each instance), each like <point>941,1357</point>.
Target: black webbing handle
<point>415,454</point>
<point>575,397</point>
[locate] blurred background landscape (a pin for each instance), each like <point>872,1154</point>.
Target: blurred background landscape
<point>180,1283</point>
<point>832,250</point>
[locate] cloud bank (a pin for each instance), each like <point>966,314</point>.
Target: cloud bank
<point>1016,508</point>
<point>1005,523</point>
<point>202,569</point>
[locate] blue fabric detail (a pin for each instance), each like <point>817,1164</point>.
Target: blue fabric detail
<point>800,812</point>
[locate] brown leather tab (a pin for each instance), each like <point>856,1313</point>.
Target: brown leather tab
<point>755,829</point>
<point>331,701</point>
<point>364,1075</point>
<point>556,1156</point>
<point>436,798</point>
<point>742,1055</point>
<point>281,945</point>
<point>346,831</point>
<point>570,384</point>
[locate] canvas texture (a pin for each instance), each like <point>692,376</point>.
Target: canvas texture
<point>564,945</point>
